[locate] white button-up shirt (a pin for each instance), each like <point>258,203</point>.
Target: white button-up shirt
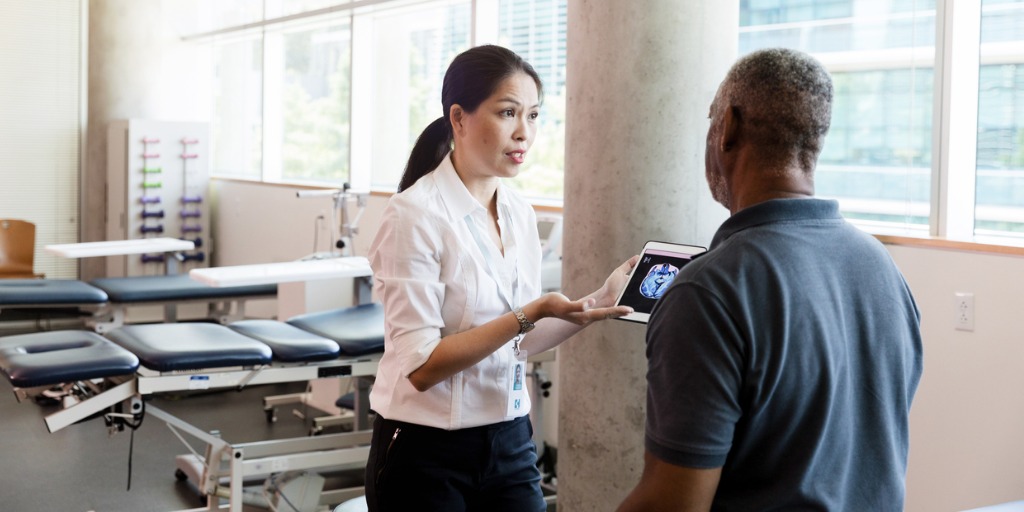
<point>434,281</point>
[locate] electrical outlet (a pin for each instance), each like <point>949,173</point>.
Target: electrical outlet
<point>963,311</point>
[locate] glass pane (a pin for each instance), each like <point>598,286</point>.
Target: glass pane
<point>236,123</point>
<point>411,52</point>
<point>999,192</point>
<point>535,29</point>
<point>877,156</point>
<point>309,116</point>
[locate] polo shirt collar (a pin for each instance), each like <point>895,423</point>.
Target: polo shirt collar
<point>777,210</point>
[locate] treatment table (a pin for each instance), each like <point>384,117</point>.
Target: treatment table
<point>109,376</point>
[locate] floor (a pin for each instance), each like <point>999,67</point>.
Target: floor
<point>81,468</point>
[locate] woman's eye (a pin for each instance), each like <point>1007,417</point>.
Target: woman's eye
<point>534,115</point>
<point>508,113</point>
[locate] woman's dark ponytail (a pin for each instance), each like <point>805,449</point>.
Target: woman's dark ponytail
<point>471,78</point>
<point>431,147</point>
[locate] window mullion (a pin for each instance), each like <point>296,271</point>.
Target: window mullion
<point>273,90</point>
<point>955,123</point>
<point>362,98</point>
<point>485,22</point>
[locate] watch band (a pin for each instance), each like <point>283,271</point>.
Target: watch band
<point>525,325</point>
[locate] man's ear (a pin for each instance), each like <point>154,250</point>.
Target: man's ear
<point>731,122</point>
<point>456,116</point>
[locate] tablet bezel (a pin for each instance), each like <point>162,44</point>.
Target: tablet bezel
<point>654,245</point>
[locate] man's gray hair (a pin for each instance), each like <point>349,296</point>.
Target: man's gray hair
<point>784,99</point>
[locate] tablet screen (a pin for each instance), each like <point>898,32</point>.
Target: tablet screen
<point>659,264</point>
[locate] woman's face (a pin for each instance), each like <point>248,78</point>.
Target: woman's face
<point>493,140</point>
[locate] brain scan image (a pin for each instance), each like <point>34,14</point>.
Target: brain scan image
<point>657,280</point>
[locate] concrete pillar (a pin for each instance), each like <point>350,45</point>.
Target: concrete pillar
<point>641,76</point>
<point>139,68</point>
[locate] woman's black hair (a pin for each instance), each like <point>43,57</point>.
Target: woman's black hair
<point>471,78</point>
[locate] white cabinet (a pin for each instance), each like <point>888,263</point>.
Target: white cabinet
<point>158,186</point>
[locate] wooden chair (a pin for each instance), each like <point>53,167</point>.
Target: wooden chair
<point>17,249</point>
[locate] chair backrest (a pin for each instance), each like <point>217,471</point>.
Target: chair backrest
<point>17,249</point>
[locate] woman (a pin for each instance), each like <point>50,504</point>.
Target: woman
<point>456,263</point>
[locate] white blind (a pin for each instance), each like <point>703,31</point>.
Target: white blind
<point>41,95</point>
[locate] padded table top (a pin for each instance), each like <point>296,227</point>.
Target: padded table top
<point>190,346</point>
<point>46,358</point>
<point>40,292</point>
<point>289,343</point>
<point>173,287</point>
<point>358,330</point>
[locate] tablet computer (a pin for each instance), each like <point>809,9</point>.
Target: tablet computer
<point>659,264</point>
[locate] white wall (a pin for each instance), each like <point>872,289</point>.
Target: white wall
<point>967,421</point>
<point>260,223</point>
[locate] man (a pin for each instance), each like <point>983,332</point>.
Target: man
<point>782,362</point>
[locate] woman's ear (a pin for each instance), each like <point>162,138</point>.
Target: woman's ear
<point>456,116</point>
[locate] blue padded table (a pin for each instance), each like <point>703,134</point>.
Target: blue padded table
<point>190,346</point>
<point>109,376</point>
<point>358,330</point>
<point>173,288</point>
<point>43,359</point>
<point>38,299</point>
<point>169,290</point>
<point>173,357</point>
<point>289,343</point>
<point>48,292</point>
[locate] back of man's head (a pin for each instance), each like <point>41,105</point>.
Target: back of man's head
<point>784,99</point>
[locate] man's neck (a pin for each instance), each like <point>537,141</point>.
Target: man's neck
<point>758,187</point>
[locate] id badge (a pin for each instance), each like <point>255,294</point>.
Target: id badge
<point>517,401</point>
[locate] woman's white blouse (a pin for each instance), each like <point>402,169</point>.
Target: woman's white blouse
<point>433,280</point>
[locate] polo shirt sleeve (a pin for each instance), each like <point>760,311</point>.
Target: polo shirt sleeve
<point>694,378</point>
<point>406,260</point>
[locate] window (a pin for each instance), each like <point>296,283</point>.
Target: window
<point>307,102</point>
<point>535,29</point>
<point>999,185</point>
<point>319,91</point>
<point>410,51</point>
<point>236,127</point>
<point>877,157</point>
<point>890,157</point>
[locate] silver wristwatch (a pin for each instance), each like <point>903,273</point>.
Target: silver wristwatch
<point>525,325</point>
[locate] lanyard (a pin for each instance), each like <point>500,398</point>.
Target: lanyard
<point>490,259</point>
